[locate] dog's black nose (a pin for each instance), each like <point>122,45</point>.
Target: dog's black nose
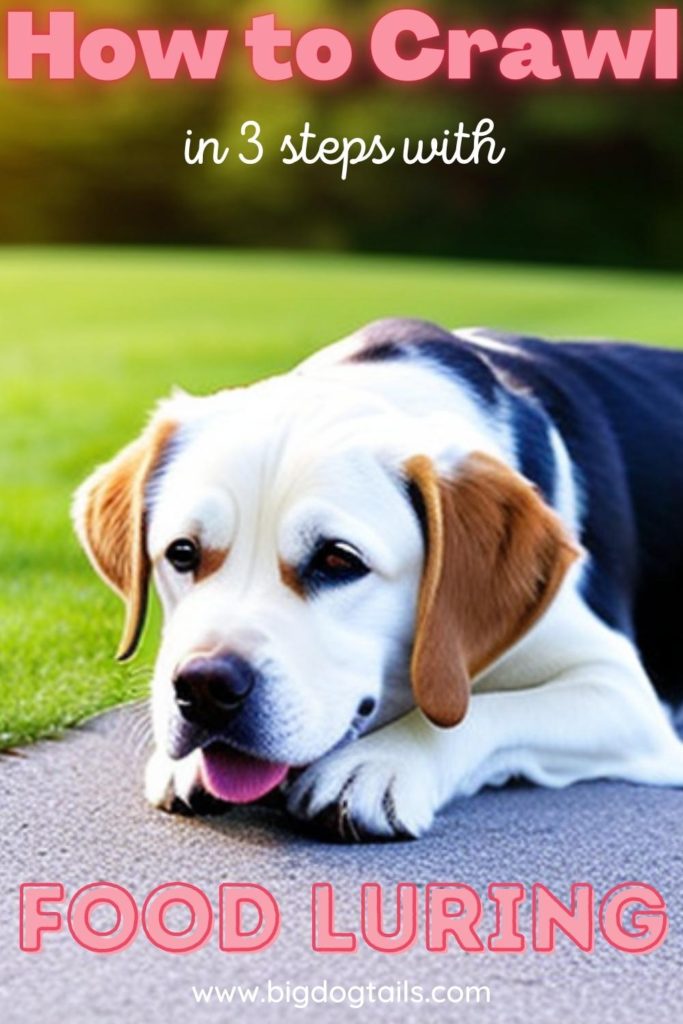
<point>208,691</point>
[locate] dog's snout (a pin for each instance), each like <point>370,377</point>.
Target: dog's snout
<point>208,691</point>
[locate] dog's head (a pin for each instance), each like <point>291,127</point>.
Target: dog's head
<point>318,574</point>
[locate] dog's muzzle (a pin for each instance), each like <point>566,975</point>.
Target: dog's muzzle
<point>209,694</point>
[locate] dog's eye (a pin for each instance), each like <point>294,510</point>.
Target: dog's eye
<point>335,561</point>
<point>183,554</point>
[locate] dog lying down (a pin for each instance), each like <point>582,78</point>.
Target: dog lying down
<point>420,563</point>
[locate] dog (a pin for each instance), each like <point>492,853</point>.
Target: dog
<point>420,563</point>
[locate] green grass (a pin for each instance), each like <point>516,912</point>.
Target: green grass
<point>91,338</point>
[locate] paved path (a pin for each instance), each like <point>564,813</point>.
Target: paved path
<point>72,811</point>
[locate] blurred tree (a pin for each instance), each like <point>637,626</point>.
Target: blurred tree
<point>593,171</point>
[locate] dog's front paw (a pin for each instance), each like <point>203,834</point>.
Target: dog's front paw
<point>160,790</point>
<point>370,790</point>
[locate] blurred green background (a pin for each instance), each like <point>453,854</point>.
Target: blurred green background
<point>592,172</point>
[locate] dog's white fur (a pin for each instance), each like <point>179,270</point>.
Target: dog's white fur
<point>258,471</point>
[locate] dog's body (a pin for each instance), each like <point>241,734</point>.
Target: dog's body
<point>362,537</point>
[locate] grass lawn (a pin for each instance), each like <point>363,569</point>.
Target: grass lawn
<point>90,338</point>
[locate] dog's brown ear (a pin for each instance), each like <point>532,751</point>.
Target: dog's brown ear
<point>496,554</point>
<point>109,517</point>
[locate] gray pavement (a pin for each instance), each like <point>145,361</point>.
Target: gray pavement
<point>73,811</point>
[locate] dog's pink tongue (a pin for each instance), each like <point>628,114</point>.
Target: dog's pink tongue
<point>238,778</point>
